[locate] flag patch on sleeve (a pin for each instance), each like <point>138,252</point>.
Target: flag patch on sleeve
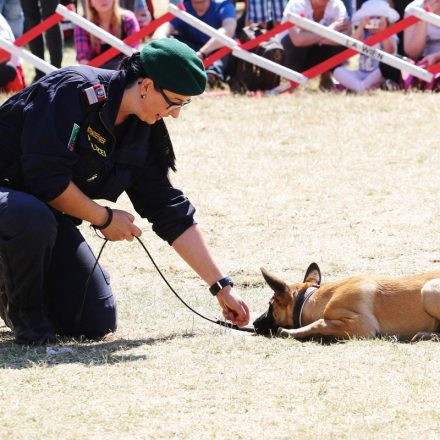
<point>95,94</point>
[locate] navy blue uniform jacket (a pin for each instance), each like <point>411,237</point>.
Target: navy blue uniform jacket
<point>42,149</point>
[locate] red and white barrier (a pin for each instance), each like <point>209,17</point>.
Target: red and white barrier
<point>27,56</point>
<point>348,53</point>
<point>236,50</point>
<point>33,33</point>
<point>360,47</point>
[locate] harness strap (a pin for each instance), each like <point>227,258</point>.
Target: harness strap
<point>299,305</point>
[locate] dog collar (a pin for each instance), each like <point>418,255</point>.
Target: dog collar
<point>299,305</point>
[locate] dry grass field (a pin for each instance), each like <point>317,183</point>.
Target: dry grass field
<point>350,182</point>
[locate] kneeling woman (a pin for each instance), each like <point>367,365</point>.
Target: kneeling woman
<point>81,134</point>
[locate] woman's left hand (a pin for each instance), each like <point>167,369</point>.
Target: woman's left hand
<point>234,308</point>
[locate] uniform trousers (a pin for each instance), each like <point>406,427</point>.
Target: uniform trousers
<point>48,262</point>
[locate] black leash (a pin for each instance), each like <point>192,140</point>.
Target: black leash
<point>214,321</point>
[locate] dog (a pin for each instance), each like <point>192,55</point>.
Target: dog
<point>361,306</point>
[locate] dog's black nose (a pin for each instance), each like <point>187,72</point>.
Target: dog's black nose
<point>265,324</point>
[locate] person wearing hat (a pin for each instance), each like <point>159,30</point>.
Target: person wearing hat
<point>79,134</point>
<point>373,17</point>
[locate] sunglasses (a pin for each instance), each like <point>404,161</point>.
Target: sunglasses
<point>172,105</point>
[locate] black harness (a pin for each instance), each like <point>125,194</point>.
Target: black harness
<point>299,305</point>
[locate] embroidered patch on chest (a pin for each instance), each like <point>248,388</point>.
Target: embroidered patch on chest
<point>95,94</point>
<point>95,135</point>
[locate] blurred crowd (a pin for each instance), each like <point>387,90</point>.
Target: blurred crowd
<point>418,44</point>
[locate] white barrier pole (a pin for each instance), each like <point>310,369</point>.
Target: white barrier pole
<point>236,50</point>
<point>360,47</point>
<point>27,56</point>
<point>429,17</point>
<point>95,30</point>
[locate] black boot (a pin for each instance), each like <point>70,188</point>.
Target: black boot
<point>31,327</point>
<point>4,286</point>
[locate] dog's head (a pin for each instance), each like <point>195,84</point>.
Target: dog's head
<point>280,311</point>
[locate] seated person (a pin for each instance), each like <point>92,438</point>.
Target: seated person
<point>113,19</point>
<point>141,9</point>
<point>262,12</point>
<point>304,49</point>
<point>373,17</point>
<point>422,39</point>
<point>11,72</point>
<point>221,15</point>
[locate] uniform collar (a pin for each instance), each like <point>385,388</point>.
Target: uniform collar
<point>115,91</point>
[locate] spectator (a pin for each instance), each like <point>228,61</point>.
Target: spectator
<point>304,49</point>
<point>221,15</point>
<point>374,16</point>
<point>142,10</point>
<point>422,39</point>
<point>350,7</point>
<point>265,11</point>
<point>34,12</point>
<point>13,13</point>
<point>11,73</point>
<point>109,16</point>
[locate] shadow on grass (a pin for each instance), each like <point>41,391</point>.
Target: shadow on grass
<point>89,353</point>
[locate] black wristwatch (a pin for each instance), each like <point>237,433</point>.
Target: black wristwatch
<point>217,286</point>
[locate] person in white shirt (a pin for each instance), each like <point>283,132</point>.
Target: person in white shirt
<point>304,49</point>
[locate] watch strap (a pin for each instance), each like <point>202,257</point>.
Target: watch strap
<point>218,285</point>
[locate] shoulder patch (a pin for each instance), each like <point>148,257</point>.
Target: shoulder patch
<point>95,94</point>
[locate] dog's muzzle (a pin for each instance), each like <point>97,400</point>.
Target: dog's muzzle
<point>265,324</point>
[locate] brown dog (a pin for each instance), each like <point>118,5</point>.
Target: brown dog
<point>360,306</point>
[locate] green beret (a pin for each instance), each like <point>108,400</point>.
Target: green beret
<point>173,66</point>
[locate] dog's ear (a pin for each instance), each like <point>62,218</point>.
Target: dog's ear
<point>313,275</point>
<point>275,283</point>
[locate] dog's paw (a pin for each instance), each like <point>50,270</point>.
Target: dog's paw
<point>282,333</point>
<point>426,336</point>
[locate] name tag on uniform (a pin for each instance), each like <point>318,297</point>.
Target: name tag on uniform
<point>95,94</point>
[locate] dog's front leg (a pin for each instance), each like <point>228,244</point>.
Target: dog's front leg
<point>334,328</point>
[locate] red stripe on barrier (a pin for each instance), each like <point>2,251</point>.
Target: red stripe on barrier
<point>269,34</point>
<point>435,68</point>
<point>50,21</point>
<point>131,39</point>
<point>348,53</point>
<point>249,44</point>
<point>216,56</point>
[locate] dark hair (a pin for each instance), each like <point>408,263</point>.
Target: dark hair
<point>160,139</point>
<point>133,68</point>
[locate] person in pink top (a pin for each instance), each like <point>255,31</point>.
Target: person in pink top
<point>108,15</point>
